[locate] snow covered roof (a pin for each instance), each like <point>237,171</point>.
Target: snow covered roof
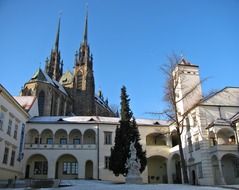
<point>92,119</point>
<point>25,101</point>
<point>235,118</point>
<point>228,96</point>
<point>42,76</point>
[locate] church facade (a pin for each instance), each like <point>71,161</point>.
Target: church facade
<point>69,93</point>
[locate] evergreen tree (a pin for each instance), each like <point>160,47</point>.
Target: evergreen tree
<point>126,133</point>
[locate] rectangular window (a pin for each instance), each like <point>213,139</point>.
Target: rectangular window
<point>40,167</point>
<point>49,141</point>
<point>76,141</point>
<point>194,119</point>
<point>108,137</point>
<point>200,173</point>
<point>197,143</point>
<point>37,140</point>
<point>187,124</point>
<point>1,119</point>
<point>63,141</point>
<point>190,146</point>
<point>5,156</point>
<point>107,162</point>
<point>9,129</point>
<point>22,134</point>
<point>70,168</point>
<point>15,132</point>
<point>12,158</point>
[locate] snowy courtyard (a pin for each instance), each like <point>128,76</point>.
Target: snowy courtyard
<point>107,185</point>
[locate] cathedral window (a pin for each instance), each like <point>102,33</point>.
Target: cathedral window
<point>79,80</point>
<point>41,102</point>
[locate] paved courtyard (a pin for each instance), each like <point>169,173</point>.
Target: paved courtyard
<point>107,185</point>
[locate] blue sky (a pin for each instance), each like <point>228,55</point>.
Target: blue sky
<point>129,41</point>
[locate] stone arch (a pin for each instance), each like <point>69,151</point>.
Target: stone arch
<point>89,136</point>
<point>215,170</point>
<point>32,137</point>
<point>174,137</point>
<point>226,136</point>
<point>230,168</point>
<point>66,167</point>
<point>61,136</point>
<point>75,136</point>
<point>36,167</point>
<point>88,169</point>
<point>175,169</point>
<point>156,139</point>
<point>47,136</point>
<point>157,169</point>
<point>41,102</point>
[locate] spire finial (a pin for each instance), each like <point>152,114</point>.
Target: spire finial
<point>86,25</point>
<point>58,32</point>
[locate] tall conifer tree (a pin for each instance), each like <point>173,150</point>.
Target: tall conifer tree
<point>126,133</point>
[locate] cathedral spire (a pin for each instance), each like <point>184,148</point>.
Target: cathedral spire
<point>58,35</point>
<point>54,65</point>
<point>86,28</point>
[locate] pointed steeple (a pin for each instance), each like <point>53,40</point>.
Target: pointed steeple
<point>86,27</point>
<point>58,35</point>
<point>54,65</point>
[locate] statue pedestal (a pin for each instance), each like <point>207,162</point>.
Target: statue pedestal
<point>133,179</point>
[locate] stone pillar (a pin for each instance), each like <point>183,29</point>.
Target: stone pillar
<point>81,169</point>
<point>169,140</point>
<point>51,169</point>
<point>169,171</point>
<point>221,173</point>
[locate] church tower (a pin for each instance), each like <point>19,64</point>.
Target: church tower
<point>83,78</point>
<point>54,65</point>
<point>188,91</point>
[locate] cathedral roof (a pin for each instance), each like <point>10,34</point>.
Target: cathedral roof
<point>42,76</point>
<point>67,78</point>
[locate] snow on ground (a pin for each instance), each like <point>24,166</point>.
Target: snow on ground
<point>107,185</point>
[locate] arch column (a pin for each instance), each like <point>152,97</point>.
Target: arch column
<point>221,173</point>
<point>169,171</point>
<point>51,169</point>
<point>81,169</point>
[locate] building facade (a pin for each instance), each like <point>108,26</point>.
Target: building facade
<point>210,138</point>
<point>12,132</point>
<point>79,148</point>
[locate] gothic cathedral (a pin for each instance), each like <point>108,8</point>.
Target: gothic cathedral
<point>69,93</point>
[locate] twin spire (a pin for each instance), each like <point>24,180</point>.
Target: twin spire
<point>54,65</point>
<point>85,37</point>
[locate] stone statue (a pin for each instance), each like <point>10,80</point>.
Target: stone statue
<point>133,165</point>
